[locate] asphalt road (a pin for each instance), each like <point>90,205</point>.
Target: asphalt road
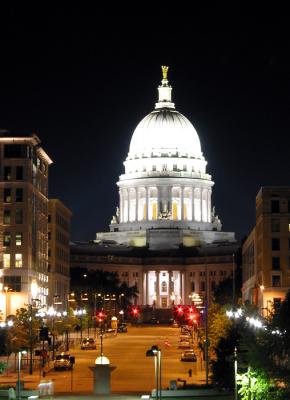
<point>134,371</point>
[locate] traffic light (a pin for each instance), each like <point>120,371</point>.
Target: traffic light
<point>101,316</point>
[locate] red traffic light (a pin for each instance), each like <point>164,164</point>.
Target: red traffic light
<point>135,311</point>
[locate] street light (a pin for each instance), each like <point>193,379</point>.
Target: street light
<point>18,374</point>
<point>156,353</point>
<point>33,302</point>
<point>80,313</point>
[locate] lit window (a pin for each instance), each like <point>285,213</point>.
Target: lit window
<point>7,173</point>
<point>6,260</point>
<point>7,195</point>
<point>18,260</point>
<point>289,227</point>
<point>18,239</point>
<point>7,239</point>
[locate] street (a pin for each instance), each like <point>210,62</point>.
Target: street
<point>134,371</point>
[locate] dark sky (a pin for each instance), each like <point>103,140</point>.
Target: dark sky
<point>82,80</point>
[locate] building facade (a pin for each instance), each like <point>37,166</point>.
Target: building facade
<point>23,220</point>
<point>266,252</point>
<point>164,277</point>
<point>165,236</point>
<point>59,220</point>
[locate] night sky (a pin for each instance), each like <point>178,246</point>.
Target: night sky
<point>82,80</point>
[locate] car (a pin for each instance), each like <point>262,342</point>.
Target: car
<point>88,344</point>
<point>184,338</point>
<point>122,328</point>
<point>63,361</point>
<point>188,355</point>
<point>175,324</point>
<point>184,345</point>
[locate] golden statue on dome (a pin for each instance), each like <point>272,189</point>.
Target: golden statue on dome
<point>164,71</point>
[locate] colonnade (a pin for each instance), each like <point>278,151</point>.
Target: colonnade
<point>163,288</point>
<point>179,203</point>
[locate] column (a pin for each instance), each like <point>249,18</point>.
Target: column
<point>147,202</point>
<point>147,287</point>
<point>169,200</point>
<point>157,289</point>
<point>180,287</point>
<point>183,288</point>
<point>144,289</point>
<point>121,205</point>
<point>137,203</point>
<point>200,203</point>
<point>209,205</point>
<point>170,286</point>
<point>128,204</point>
<point>182,202</point>
<point>192,203</point>
<point>158,188</point>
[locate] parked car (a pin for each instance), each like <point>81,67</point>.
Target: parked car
<point>63,361</point>
<point>188,355</point>
<point>184,338</point>
<point>184,345</point>
<point>88,344</point>
<point>122,328</point>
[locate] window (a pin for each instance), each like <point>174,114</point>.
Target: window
<point>13,282</point>
<point>275,206</point>
<point>18,239</point>
<point>275,225</point>
<point>6,239</point>
<point>192,274</point>
<point>192,286</point>
<point>7,195</point>
<point>6,260</point>
<point>18,260</point>
<point>19,195</point>
<point>49,235</point>
<point>19,173</point>
<point>6,217</point>
<point>276,281</point>
<point>212,273</point>
<point>275,244</point>
<point>202,273</point>
<point>202,286</point>
<point>15,151</point>
<point>18,217</point>
<point>7,173</point>
<point>275,262</point>
<point>163,287</point>
<point>289,206</point>
<point>49,218</point>
<point>174,167</point>
<point>153,167</point>
<point>184,168</point>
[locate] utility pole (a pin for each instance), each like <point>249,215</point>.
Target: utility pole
<point>30,340</point>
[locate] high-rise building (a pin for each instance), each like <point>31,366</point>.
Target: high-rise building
<point>23,220</point>
<point>165,236</point>
<point>59,217</point>
<point>266,251</point>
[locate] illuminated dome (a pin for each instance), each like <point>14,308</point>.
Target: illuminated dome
<point>165,132</point>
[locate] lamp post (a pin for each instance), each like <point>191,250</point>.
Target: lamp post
<point>33,301</point>
<point>156,353</point>
<point>80,313</point>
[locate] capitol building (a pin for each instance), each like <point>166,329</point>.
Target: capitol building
<point>165,236</point>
